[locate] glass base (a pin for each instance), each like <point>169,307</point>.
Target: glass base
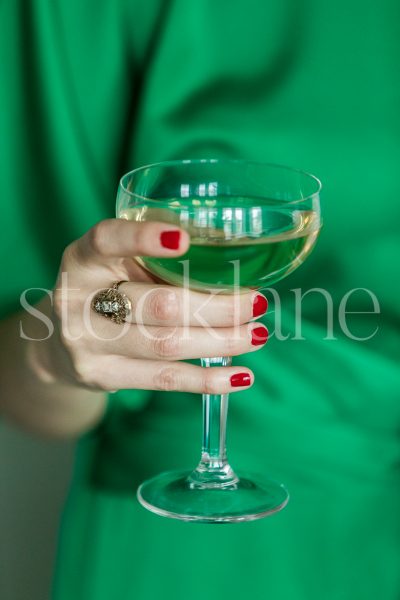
<point>171,494</point>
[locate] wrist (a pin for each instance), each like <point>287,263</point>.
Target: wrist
<point>38,361</point>
<point>37,344</point>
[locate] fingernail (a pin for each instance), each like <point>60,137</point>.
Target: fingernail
<point>259,336</point>
<point>170,239</point>
<point>240,380</point>
<point>260,305</point>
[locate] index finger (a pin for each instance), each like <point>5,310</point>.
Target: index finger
<point>119,238</point>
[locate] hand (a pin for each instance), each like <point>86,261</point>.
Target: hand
<point>172,324</point>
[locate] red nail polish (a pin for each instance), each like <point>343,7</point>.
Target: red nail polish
<point>260,305</point>
<point>170,239</point>
<point>240,380</point>
<point>259,336</point>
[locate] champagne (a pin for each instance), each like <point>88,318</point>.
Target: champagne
<point>233,247</point>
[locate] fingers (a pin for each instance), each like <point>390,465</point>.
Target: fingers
<point>177,343</point>
<point>118,238</point>
<point>171,306</point>
<point>125,373</point>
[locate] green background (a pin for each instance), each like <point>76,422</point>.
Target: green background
<point>92,89</point>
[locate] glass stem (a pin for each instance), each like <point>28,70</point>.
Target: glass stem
<point>213,469</point>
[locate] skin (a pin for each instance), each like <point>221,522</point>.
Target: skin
<point>57,387</point>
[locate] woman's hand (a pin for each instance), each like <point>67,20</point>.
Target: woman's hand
<point>166,324</point>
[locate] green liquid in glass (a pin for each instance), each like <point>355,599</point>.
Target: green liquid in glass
<point>227,254</point>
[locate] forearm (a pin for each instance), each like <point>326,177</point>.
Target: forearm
<point>31,396</point>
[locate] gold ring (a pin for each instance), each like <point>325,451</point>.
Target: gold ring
<point>112,304</point>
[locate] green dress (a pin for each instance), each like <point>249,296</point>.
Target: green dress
<point>92,89</point>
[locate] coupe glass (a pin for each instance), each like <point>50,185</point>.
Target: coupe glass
<point>250,225</point>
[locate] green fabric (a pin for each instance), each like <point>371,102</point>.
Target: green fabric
<point>92,89</point>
